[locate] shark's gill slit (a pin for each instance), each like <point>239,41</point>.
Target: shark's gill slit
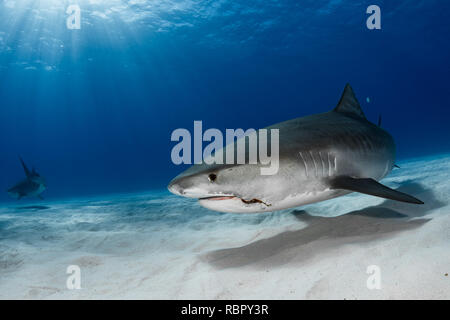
<point>314,160</point>
<point>323,164</point>
<point>329,164</point>
<point>362,142</point>
<point>304,162</point>
<point>367,142</point>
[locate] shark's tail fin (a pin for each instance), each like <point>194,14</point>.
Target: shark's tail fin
<point>27,172</point>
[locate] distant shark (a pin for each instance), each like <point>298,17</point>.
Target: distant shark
<point>32,186</point>
<point>321,156</point>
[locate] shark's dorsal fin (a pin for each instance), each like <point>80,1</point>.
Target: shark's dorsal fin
<point>349,104</point>
<point>27,172</point>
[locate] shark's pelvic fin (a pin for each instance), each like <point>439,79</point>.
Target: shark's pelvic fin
<point>349,104</point>
<point>371,187</point>
<point>27,172</point>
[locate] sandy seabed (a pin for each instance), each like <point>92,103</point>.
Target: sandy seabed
<point>159,246</point>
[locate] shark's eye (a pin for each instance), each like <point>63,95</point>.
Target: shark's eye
<point>212,177</point>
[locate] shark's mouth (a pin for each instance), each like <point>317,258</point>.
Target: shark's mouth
<point>252,201</point>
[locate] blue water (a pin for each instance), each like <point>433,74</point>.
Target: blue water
<point>93,109</point>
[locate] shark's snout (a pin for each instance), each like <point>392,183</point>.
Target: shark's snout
<point>175,188</point>
<point>181,188</point>
<point>193,187</point>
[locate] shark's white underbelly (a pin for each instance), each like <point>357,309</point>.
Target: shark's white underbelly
<point>236,205</point>
<point>308,198</point>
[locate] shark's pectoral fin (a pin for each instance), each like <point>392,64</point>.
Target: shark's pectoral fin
<point>371,187</point>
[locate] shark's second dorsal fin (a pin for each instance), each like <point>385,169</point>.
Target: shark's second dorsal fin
<point>349,104</point>
<point>27,172</point>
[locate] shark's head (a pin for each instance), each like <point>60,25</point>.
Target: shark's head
<point>14,193</point>
<point>225,188</point>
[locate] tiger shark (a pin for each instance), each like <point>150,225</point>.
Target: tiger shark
<point>321,156</point>
<point>32,186</point>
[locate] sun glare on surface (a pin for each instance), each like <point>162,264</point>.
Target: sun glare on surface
<point>37,35</point>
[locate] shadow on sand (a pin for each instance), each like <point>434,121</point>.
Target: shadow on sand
<point>359,226</point>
